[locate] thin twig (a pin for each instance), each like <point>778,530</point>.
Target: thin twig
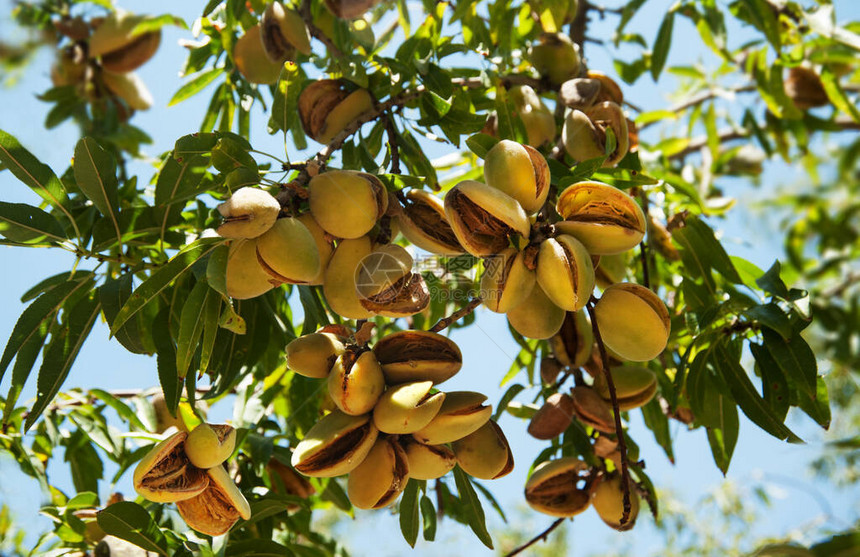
<point>457,315</point>
<point>540,537</point>
<point>391,131</point>
<point>619,432</point>
<point>702,97</point>
<point>643,246</point>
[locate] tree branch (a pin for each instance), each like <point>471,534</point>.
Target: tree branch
<point>540,537</point>
<point>702,97</point>
<point>316,32</point>
<point>457,315</point>
<point>619,432</point>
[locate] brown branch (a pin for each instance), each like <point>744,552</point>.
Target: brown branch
<point>457,315</point>
<point>839,289</point>
<point>643,246</point>
<point>619,432</point>
<point>540,537</point>
<point>702,97</point>
<point>698,142</point>
<point>316,32</point>
<point>391,131</point>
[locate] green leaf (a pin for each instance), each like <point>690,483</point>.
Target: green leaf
<point>837,94</point>
<point>794,357</point>
<point>661,44</point>
<point>33,173</point>
<point>658,423</point>
<point>66,342</point>
<point>428,518</point>
<point>113,294</point>
<point>762,15</point>
<point>216,269</point>
<point>95,175</point>
<point>197,84</point>
<point>315,315</point>
<point>122,410</point>
<point>772,283</point>
<point>817,406</point>
<point>409,513</point>
<point>211,314</point>
<point>154,23</point>
<point>745,394</point>
<point>229,154</point>
<point>190,326</point>
<point>257,548</point>
<point>37,314</point>
<point>473,509</point>
<point>775,386</point>
<point>582,171</point>
<point>129,521</point>
<point>723,439</point>
<point>772,317</point>
<point>700,245</point>
<point>285,101</point>
<point>481,143</point>
<point>164,276</point>
<point>509,395</point>
<point>24,223</point>
<point>24,361</point>
<point>168,377</point>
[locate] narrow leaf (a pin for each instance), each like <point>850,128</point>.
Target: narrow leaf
<point>428,517</point>
<point>122,410</point>
<point>211,313</point>
<point>474,510</point>
<point>837,95</point>
<point>661,45</point>
<point>190,327</point>
<point>113,294</point>
<point>64,347</point>
<point>24,223</point>
<point>24,362</point>
<point>130,522</point>
<point>744,392</point>
<point>95,175</point>
<point>409,513</point>
<point>30,322</point>
<point>197,84</point>
<point>159,280</point>
<point>33,172</point>
<point>166,360</point>
<point>794,357</point>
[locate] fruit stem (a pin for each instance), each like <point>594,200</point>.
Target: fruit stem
<point>643,247</point>
<point>457,315</point>
<point>619,432</point>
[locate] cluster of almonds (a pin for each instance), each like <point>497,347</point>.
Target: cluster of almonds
<point>188,469</point>
<point>567,486</point>
<point>361,277</point>
<point>390,424</point>
<point>105,53</point>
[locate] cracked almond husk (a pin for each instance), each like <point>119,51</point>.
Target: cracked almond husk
<point>579,93</point>
<point>410,356</point>
<point>565,272</point>
<point>283,32</point>
<point>804,88</point>
<point>406,408</point>
<point>506,281</point>
<point>248,213</point>
<point>484,219</point>
<point>520,171</point>
<point>605,219</point>
<point>166,475</point>
<point>356,382</point>
<point>326,108</point>
<point>424,224</point>
<point>584,133</point>
<point>462,413</point>
<point>381,477</point>
<point>553,487</point>
<point>335,445</point>
<point>120,50</point>
<point>216,509</point>
<point>573,342</point>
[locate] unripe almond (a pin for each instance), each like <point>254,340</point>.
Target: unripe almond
<point>248,213</point>
<point>633,321</point>
<point>537,317</point>
<point>519,171</point>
